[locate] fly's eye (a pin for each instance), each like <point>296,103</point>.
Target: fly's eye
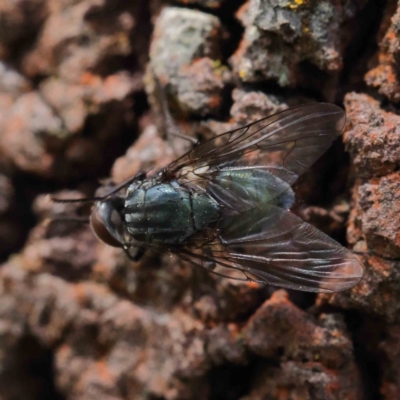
<point>99,223</point>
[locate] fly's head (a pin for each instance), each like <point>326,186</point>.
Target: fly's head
<point>106,219</point>
<point>107,222</point>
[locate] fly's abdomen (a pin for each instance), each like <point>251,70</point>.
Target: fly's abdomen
<point>167,213</point>
<point>244,189</point>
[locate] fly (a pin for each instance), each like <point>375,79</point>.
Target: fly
<point>224,206</point>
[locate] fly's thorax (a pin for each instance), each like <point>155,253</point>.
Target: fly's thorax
<point>167,212</point>
<point>252,187</point>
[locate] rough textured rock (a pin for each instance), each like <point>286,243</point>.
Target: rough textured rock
<point>384,75</point>
<point>374,226</point>
<point>389,351</point>
<point>20,21</point>
<point>185,55</point>
<point>316,355</point>
<point>75,54</point>
<point>78,320</point>
<point>372,136</point>
<point>305,381</point>
<point>280,35</point>
<point>373,141</point>
<point>379,202</point>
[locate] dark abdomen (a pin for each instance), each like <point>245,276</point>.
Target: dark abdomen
<point>167,213</point>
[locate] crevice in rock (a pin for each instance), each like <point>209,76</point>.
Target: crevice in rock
<point>31,369</point>
<point>367,332</point>
<point>229,381</point>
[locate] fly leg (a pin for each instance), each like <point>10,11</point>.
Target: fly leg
<point>172,130</point>
<point>137,255</point>
<point>206,302</point>
<point>140,176</point>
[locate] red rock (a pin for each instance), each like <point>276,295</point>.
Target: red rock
<point>372,136</point>
<point>308,381</point>
<point>385,75</point>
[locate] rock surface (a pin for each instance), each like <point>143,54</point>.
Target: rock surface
<point>282,35</point>
<point>81,85</point>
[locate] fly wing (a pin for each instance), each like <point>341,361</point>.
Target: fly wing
<point>273,246</point>
<point>291,140</point>
<point>285,144</point>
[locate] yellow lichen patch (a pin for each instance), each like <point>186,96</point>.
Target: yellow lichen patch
<point>218,67</point>
<point>242,73</point>
<point>216,64</point>
<point>296,3</point>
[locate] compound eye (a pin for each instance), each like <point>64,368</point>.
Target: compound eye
<point>99,228</point>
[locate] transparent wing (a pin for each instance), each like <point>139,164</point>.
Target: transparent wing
<point>285,145</point>
<point>273,246</point>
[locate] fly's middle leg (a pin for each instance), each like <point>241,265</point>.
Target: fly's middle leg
<point>134,253</point>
